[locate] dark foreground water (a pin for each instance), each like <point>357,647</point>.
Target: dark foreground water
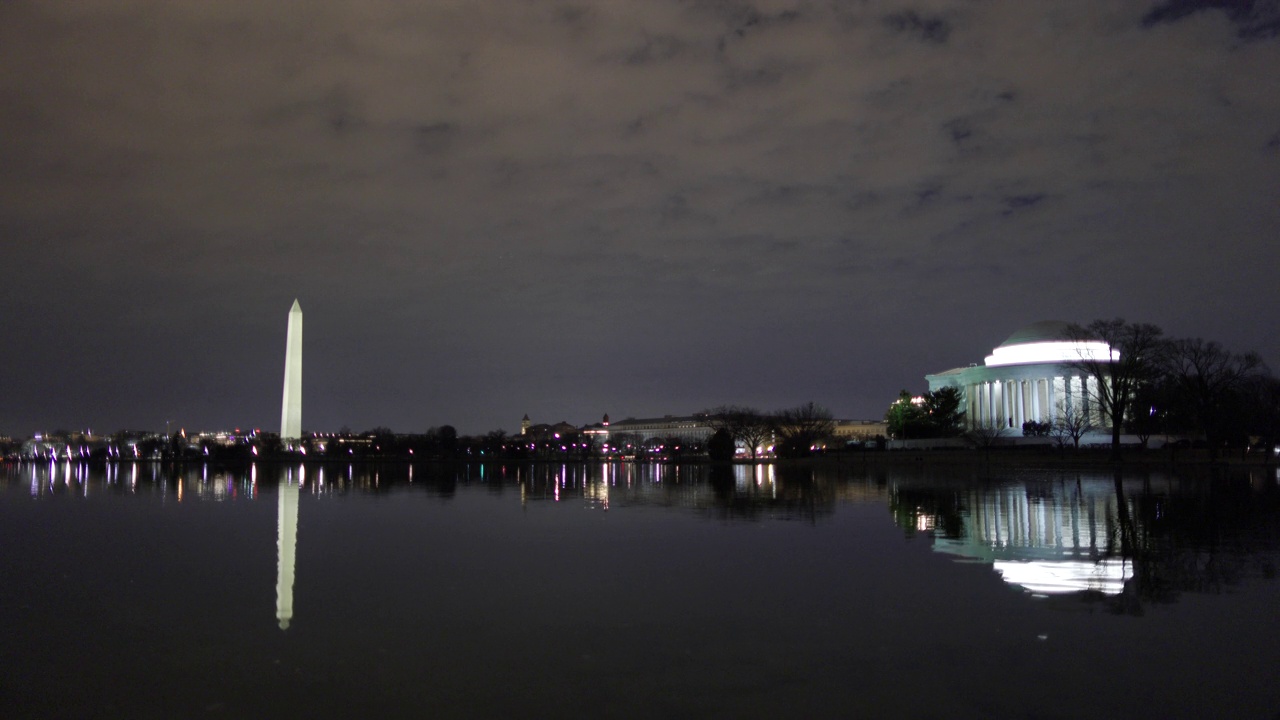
<point>623,591</point>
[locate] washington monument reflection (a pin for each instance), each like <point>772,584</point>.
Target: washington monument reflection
<point>286,544</point>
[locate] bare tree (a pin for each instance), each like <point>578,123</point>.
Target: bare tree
<point>1147,415</point>
<point>625,443</point>
<point>800,427</point>
<point>985,436</point>
<point>746,425</point>
<point>1205,377</point>
<point>1071,424</point>
<point>1135,359</point>
<point>1263,393</point>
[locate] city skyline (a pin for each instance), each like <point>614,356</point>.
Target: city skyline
<point>627,208</point>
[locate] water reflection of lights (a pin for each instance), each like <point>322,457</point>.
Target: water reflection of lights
<point>1067,576</point>
<point>1049,544</point>
<point>602,485</point>
<point>597,492</point>
<point>760,475</point>
<point>286,550</point>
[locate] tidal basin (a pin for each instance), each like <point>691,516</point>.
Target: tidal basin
<point>622,590</point>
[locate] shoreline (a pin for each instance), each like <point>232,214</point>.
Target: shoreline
<point>1092,458</point>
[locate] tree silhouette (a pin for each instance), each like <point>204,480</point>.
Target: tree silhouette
<point>1140,347</point>
<point>745,425</point>
<point>1205,379</point>
<point>801,427</point>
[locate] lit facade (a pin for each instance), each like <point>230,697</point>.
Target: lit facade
<point>860,430</point>
<point>1029,377</point>
<point>689,428</point>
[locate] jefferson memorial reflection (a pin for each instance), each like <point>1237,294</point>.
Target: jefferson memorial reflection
<point>1048,540</point>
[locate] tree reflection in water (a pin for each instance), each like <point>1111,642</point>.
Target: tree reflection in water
<point>1124,540</point>
<point>1201,534</point>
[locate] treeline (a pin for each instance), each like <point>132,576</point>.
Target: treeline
<point>1179,386</point>
<point>936,414</point>
<point>792,432</point>
<point>789,433</point>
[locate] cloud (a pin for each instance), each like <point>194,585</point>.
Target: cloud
<point>873,164</point>
<point>1254,19</point>
<point>926,29</point>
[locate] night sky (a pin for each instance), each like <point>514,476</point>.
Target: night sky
<point>496,207</point>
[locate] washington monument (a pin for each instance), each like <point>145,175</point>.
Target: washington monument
<point>291,406</point>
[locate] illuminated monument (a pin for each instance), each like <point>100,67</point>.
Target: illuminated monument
<point>291,406</point>
<point>1029,377</point>
<point>290,429</point>
<point>286,544</point>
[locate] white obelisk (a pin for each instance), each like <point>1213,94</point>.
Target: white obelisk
<point>286,544</point>
<point>291,407</point>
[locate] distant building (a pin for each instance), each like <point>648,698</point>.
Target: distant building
<point>699,428</point>
<point>860,430</point>
<point>1028,377</point>
<point>690,428</point>
<point>63,446</point>
<point>650,433</point>
<point>543,431</point>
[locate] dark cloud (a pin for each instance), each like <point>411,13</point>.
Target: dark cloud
<point>959,130</point>
<point>929,192</point>
<point>1254,19</point>
<point>660,48</point>
<point>1015,203</point>
<point>934,30</point>
<point>737,79</point>
<point>434,137</point>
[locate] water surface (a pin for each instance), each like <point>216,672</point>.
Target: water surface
<point>635,591</point>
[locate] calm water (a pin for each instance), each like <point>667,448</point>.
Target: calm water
<point>621,591</point>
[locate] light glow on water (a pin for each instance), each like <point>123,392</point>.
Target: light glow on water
<point>1047,577</point>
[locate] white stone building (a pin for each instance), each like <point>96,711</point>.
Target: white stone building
<point>1029,377</point>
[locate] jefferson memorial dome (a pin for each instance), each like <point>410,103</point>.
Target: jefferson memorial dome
<point>1028,377</point>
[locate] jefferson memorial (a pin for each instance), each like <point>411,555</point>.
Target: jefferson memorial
<point>1028,377</point>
